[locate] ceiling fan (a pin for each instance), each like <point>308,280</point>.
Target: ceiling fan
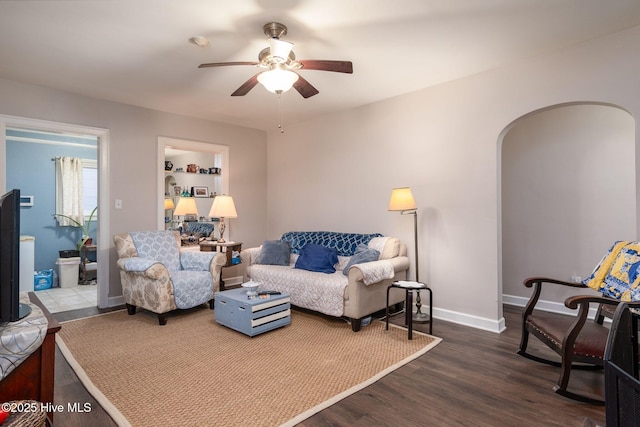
<point>280,66</point>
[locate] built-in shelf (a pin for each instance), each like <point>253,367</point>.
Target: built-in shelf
<point>191,173</point>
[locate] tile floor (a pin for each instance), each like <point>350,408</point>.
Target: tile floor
<point>64,299</point>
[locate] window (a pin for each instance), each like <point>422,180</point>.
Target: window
<point>89,186</point>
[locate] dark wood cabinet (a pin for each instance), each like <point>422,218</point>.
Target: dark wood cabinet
<point>33,379</point>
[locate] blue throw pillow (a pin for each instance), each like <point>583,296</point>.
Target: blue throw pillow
<point>363,254</point>
<point>275,252</point>
<point>317,258</point>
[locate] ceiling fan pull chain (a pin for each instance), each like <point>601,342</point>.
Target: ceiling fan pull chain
<point>280,112</point>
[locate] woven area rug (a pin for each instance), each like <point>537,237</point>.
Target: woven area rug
<point>193,371</point>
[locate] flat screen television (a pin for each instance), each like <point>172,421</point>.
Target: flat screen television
<point>11,309</point>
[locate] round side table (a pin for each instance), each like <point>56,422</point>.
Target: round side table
<point>409,287</point>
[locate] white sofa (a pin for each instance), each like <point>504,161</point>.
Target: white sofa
<point>356,295</point>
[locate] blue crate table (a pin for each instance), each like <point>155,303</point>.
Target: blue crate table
<point>234,309</point>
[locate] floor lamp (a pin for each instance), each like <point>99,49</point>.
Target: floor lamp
<point>402,201</point>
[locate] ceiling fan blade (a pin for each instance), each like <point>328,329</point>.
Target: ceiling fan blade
<point>327,65</point>
<point>246,86</point>
<point>224,64</point>
<point>305,88</point>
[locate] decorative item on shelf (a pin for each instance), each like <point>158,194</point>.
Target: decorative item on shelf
<point>215,171</point>
<point>402,200</point>
<point>179,169</point>
<point>177,190</point>
<point>192,168</point>
<point>223,207</point>
<point>85,227</point>
<point>197,191</point>
<point>212,195</point>
<point>185,193</point>
<point>168,165</point>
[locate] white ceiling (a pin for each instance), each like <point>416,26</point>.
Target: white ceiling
<point>138,52</point>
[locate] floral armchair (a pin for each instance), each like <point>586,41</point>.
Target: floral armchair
<point>160,278</point>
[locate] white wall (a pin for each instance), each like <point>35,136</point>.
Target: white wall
<point>568,192</point>
<point>133,155</point>
<point>336,172</point>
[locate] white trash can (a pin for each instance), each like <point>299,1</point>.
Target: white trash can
<point>68,270</point>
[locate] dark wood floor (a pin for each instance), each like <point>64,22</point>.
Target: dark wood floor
<point>472,378</point>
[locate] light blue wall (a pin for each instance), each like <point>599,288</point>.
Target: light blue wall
<point>30,168</point>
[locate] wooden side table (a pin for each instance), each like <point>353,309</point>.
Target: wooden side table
<point>409,287</point>
<point>34,378</point>
<point>228,248</point>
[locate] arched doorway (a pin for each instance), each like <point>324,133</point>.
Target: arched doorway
<point>568,191</point>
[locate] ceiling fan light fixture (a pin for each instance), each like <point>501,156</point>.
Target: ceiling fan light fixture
<point>278,80</point>
<point>280,50</point>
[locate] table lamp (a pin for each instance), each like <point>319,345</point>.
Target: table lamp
<point>186,206</point>
<point>223,207</point>
<point>168,205</point>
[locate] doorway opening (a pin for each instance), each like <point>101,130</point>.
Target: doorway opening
<point>28,149</point>
<point>568,191</point>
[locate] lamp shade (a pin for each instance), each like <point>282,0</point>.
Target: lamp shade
<point>402,200</point>
<point>280,49</point>
<point>278,80</point>
<point>186,205</point>
<point>168,204</point>
<point>223,207</point>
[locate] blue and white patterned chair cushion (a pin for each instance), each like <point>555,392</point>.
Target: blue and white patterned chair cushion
<point>158,245</point>
<point>137,264</point>
<point>196,261</point>
<point>191,288</point>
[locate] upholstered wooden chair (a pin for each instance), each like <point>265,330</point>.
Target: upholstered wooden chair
<point>158,277</point>
<point>579,342</point>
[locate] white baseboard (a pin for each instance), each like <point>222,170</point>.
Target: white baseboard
<point>550,306</point>
<point>477,322</point>
<point>496,326</point>
<point>114,301</point>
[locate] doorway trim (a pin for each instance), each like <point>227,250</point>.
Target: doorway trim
<point>103,184</point>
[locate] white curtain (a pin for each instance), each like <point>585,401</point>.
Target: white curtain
<point>69,190</point>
